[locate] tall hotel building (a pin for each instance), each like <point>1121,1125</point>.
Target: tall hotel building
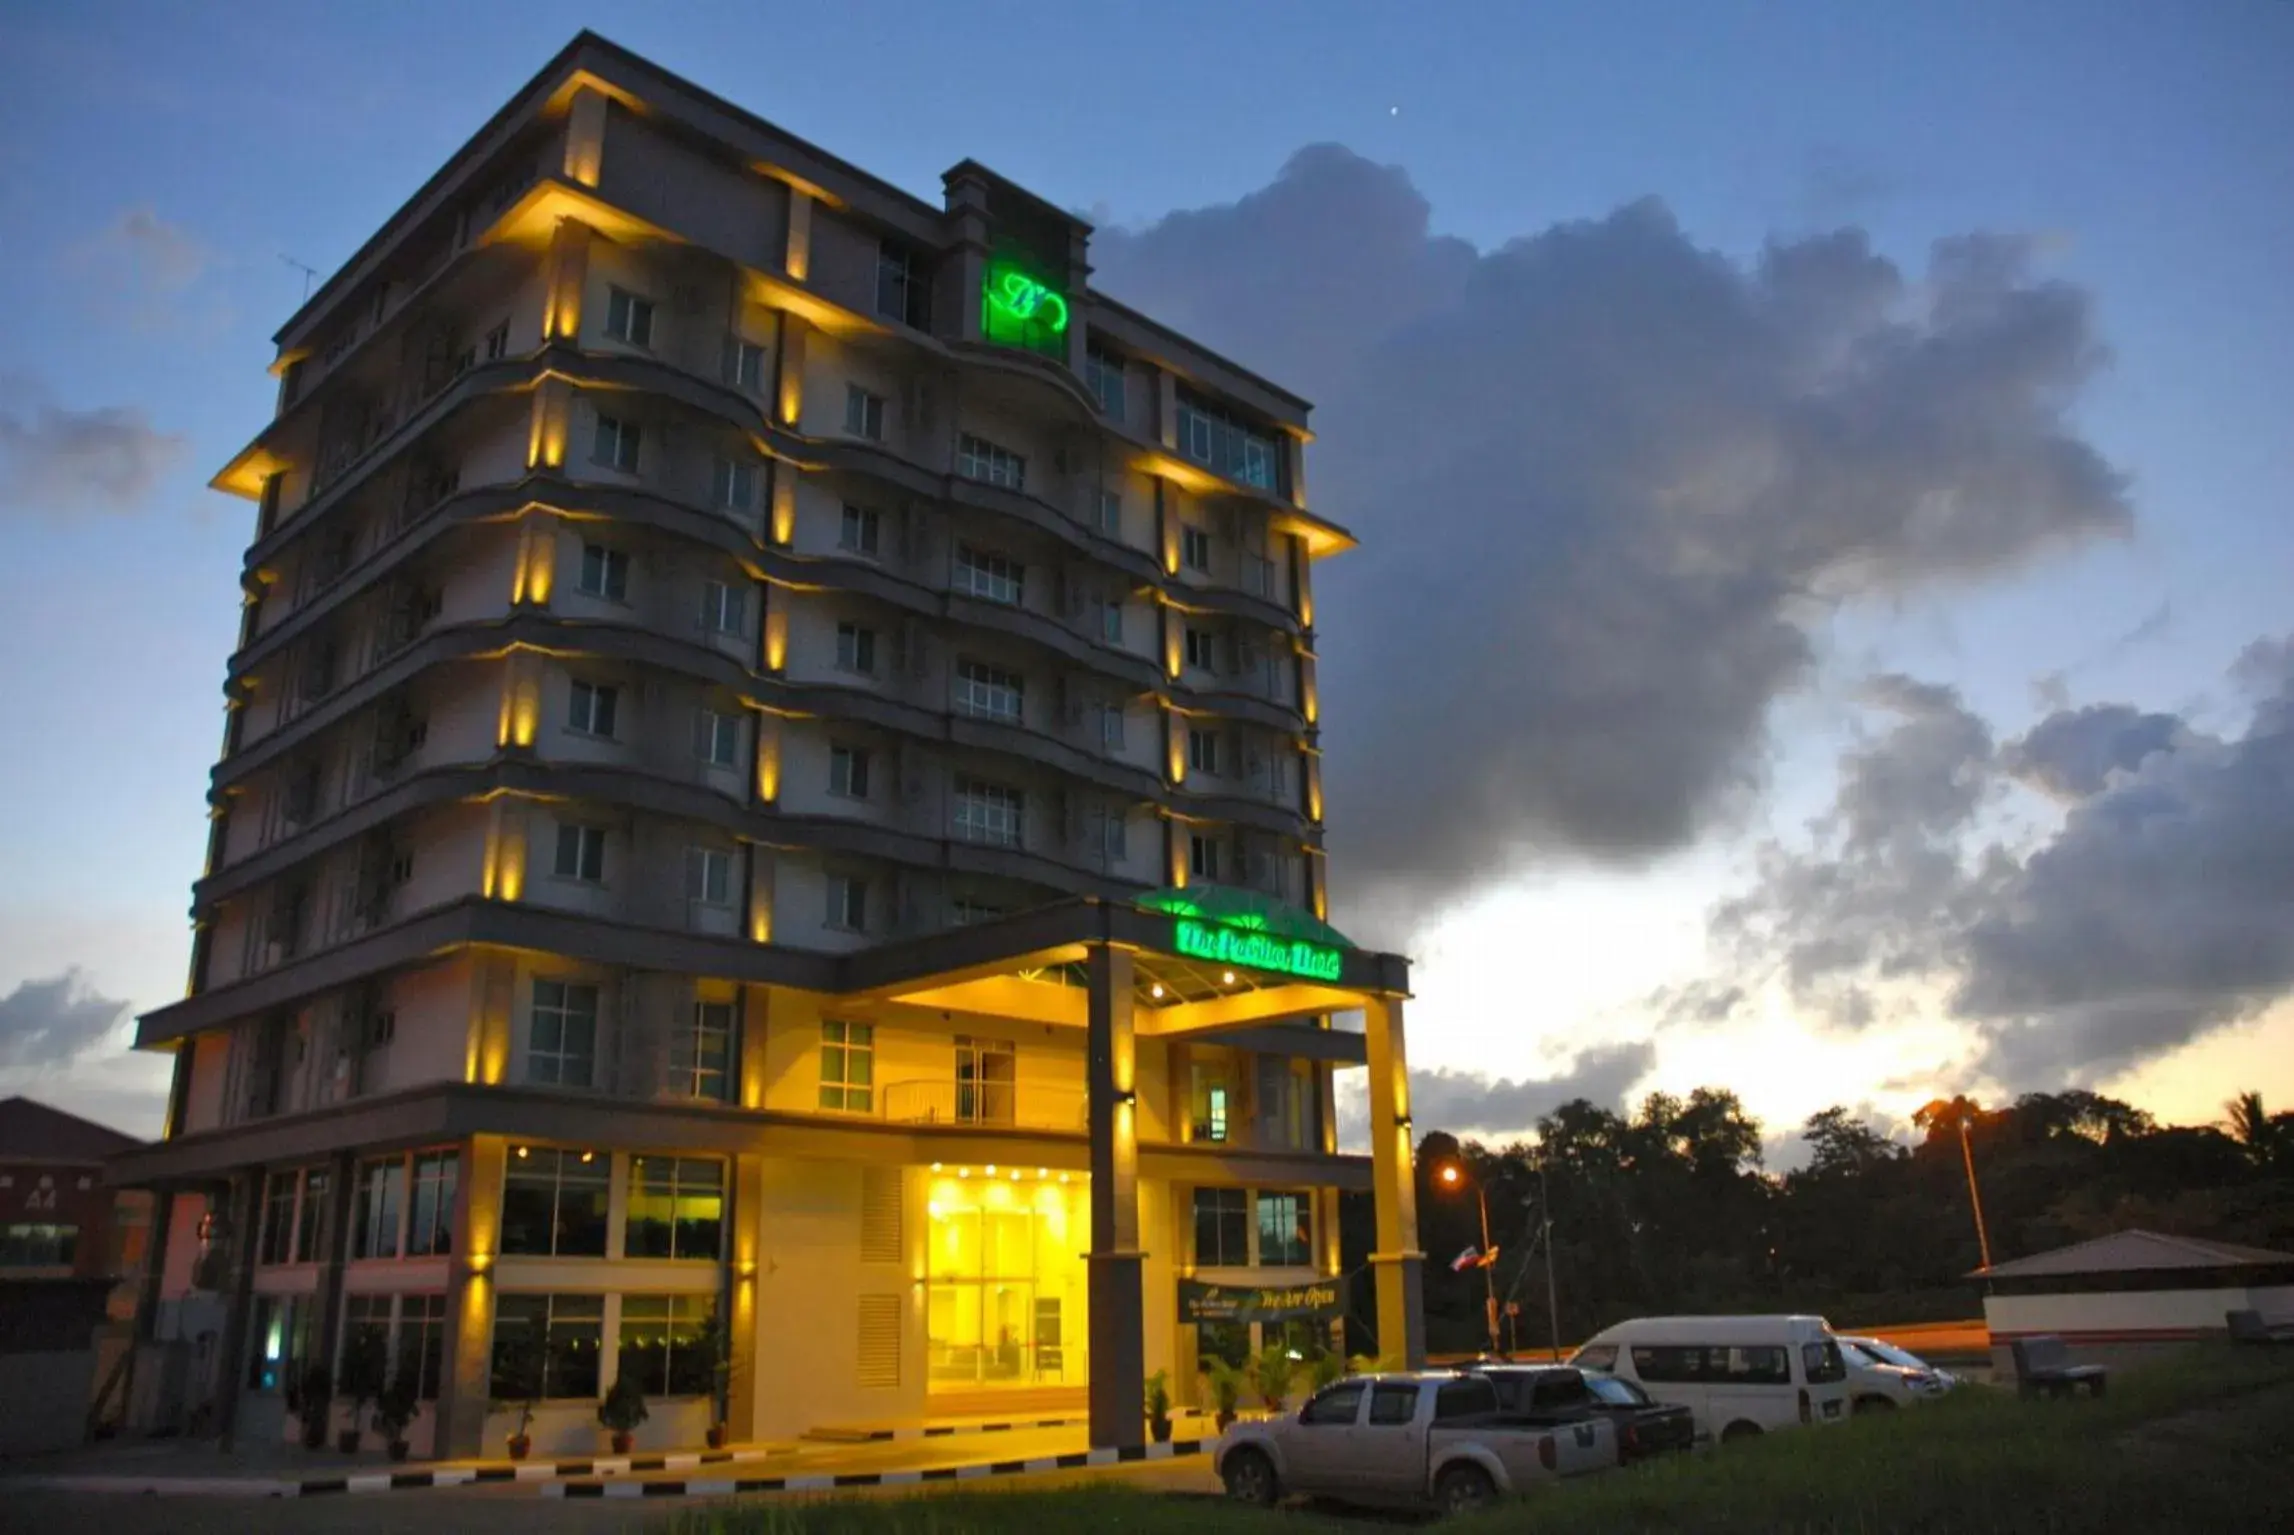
<point>770,812</point>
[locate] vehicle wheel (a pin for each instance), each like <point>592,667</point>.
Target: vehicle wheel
<point>1865,1404</point>
<point>1463,1489</point>
<point>1250,1478</point>
<point>1739,1431</point>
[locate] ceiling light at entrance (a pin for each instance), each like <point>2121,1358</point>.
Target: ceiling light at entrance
<point>1228,979</point>
<point>1155,991</point>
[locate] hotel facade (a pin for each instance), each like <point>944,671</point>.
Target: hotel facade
<point>768,838</point>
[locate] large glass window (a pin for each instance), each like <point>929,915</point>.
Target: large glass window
<point>547,1346</point>
<point>364,1367</point>
<point>1005,1284</point>
<point>989,692</point>
<point>847,1066</point>
<point>1286,1230</point>
<point>700,1059</point>
<point>375,1217</point>
<point>665,1343</point>
<point>554,1202</point>
<point>38,1244</point>
<point>276,1243</point>
<point>281,1341</point>
<point>1211,435</point>
<point>987,812</point>
<point>421,1350</point>
<point>676,1208</point>
<point>990,577</point>
<point>1222,1228</point>
<point>430,1218</point>
<point>979,459</point>
<point>986,1074</point>
<point>1103,371</point>
<point>314,1216</point>
<point>561,1044</point>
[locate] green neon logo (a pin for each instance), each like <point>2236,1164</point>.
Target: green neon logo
<point>1254,950</point>
<point>1020,299</point>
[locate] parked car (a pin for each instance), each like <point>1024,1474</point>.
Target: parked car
<point>1739,1375</point>
<point>1434,1438</point>
<point>1882,1376</point>
<point>1547,1395</point>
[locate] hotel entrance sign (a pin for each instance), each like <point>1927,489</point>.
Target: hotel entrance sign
<point>1222,944</point>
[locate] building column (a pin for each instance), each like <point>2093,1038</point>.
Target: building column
<point>745,1182</point>
<point>1396,1262</point>
<point>1118,1348</point>
<point>231,1357</point>
<point>334,1257</point>
<point>465,1385</point>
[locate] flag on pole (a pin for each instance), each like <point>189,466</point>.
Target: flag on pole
<point>1471,1258</point>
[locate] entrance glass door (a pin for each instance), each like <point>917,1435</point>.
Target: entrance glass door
<point>1004,1283</point>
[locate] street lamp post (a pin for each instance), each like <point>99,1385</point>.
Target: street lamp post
<point>1552,1295</point>
<point>1453,1175</point>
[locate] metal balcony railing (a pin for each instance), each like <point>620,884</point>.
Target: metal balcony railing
<point>988,1105</point>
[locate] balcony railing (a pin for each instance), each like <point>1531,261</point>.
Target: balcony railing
<point>987,1105</point>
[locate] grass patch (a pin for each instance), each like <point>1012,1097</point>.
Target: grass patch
<point>2192,1443</point>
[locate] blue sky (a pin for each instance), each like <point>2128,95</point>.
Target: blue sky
<point>157,161</point>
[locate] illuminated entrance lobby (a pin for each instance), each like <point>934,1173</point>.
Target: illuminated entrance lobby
<point>1005,1281</point>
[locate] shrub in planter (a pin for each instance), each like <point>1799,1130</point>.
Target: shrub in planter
<point>1159,1406</point>
<point>313,1391</point>
<point>393,1410</point>
<point>622,1411</point>
<point>517,1387</point>
<point>364,1363</point>
<point>1226,1391</point>
<point>1274,1371</point>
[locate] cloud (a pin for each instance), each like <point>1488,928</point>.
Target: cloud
<point>58,462</point>
<point>150,273</point>
<point>163,257</point>
<point>54,1022</point>
<point>1608,481</point>
<point>2159,909</point>
<point>1464,1102</point>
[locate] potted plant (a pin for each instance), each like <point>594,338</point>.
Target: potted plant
<point>1226,1392</point>
<point>1274,1371</point>
<point>363,1366</point>
<point>1159,1406</point>
<point>395,1409</point>
<point>716,1348</point>
<point>517,1387</point>
<point>1328,1368</point>
<point>313,1390</point>
<point>622,1411</point>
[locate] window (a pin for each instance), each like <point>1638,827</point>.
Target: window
<point>498,342</point>
<point>979,459</point>
<point>665,1344</point>
<point>1456,1399</point>
<point>1111,836</point>
<point>1195,548</point>
<point>275,1243</point>
<point>38,1244</point>
<point>900,287</point>
<point>717,738</point>
<point>1759,1365</point>
<point>848,771</point>
<point>421,1352</point>
<point>1111,727</point>
<point>701,1058</point>
<point>1599,1356</point>
<point>1212,1097</point>
<point>546,1347</point>
<point>381,1196</point>
<point>676,1208</point>
<point>617,444</point>
<point>1210,435</point>
<point>987,1071</point>
<point>1203,857</point>
<point>847,1066</point>
<point>1111,621</point>
<point>987,812</point>
<point>1258,576</point>
<point>856,649</point>
<point>724,607</point>
<point>430,1216</point>
<point>312,1223</point>
<point>554,1202</point>
<point>1392,1403</point>
<point>365,1363</point>
<point>581,854</point>
<point>561,1035</point>
<point>709,876</point>
<point>604,572</point>
<point>1822,1363</point>
<point>847,903</point>
<point>1202,649</point>
<point>988,692</point>
<point>860,530</point>
<point>1222,1228</point>
<point>993,577</point>
<point>863,413</point>
<point>1335,1407</point>
<point>966,912</point>
<point>1202,750</point>
<point>628,317</point>
<point>1286,1231</point>
<point>1111,513</point>
<point>590,709</point>
<point>735,485</point>
<point>745,365</point>
<point>1103,371</point>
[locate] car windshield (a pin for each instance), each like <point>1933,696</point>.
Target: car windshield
<point>1888,1353</point>
<point>1859,1354</point>
<point>1617,1393</point>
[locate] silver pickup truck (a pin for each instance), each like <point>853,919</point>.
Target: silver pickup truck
<point>1435,1437</point>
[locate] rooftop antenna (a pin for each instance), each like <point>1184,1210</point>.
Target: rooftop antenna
<point>310,273</point>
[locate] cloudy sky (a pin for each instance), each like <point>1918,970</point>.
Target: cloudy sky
<point>1822,625</point>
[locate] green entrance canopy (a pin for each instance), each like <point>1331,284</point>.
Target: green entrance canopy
<point>1245,909</point>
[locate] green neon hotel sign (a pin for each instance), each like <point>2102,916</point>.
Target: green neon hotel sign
<point>1254,949</point>
<point>1021,310</point>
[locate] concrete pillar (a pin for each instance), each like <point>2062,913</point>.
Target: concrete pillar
<point>466,1371</point>
<point>1118,1348</point>
<point>246,1206</point>
<point>565,277</point>
<point>334,1253</point>
<point>796,255</point>
<point>1396,1263</point>
<point>585,137</point>
<point>745,1188</point>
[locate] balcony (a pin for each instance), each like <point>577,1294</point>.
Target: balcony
<point>987,1105</point>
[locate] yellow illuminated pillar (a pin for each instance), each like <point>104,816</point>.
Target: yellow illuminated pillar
<point>790,402</point>
<point>565,274</point>
<point>1396,1262</point>
<point>465,1373</point>
<point>745,1250</point>
<point>796,260</point>
<point>585,137</point>
<point>1116,1304</point>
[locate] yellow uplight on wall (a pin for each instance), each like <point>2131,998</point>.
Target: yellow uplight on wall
<point>776,635</point>
<point>784,502</point>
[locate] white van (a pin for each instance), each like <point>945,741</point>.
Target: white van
<point>1740,1375</point>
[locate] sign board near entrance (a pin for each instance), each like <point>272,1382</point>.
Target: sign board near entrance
<point>1254,949</point>
<point>1201,1302</point>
